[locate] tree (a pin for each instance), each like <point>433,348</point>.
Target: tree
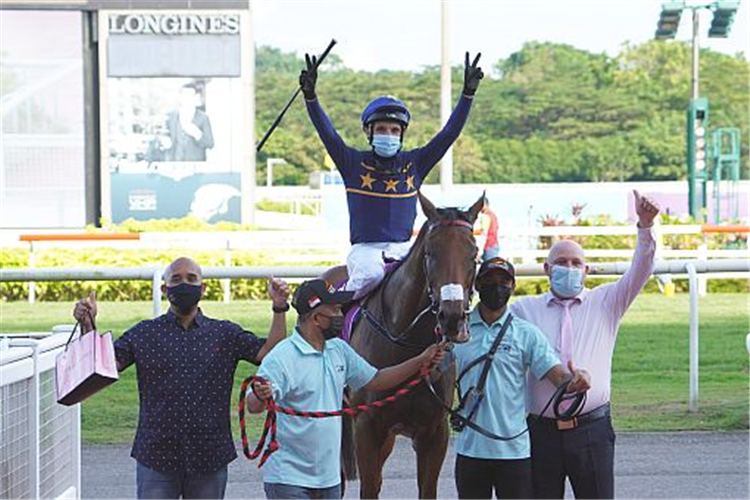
<point>556,113</point>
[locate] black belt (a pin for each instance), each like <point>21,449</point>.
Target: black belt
<point>580,420</point>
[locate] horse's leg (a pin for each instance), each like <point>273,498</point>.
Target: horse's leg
<point>374,445</point>
<point>431,448</point>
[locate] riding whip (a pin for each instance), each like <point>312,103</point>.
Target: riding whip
<point>291,100</point>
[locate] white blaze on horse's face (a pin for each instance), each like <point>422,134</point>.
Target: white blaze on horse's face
<point>452,291</point>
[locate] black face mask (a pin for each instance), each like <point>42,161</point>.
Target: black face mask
<point>335,327</point>
<point>184,296</point>
<point>495,297</point>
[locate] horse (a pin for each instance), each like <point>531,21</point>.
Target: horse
<point>428,294</point>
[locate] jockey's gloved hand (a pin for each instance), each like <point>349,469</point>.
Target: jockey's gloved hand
<point>472,75</point>
<point>309,77</point>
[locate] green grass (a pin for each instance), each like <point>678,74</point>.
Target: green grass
<point>650,369</point>
<point>649,380</point>
<point>111,415</point>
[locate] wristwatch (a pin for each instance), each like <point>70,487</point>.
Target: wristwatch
<point>282,309</point>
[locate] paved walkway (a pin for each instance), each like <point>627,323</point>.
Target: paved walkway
<point>658,465</point>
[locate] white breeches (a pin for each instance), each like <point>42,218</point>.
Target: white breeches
<point>366,267</point>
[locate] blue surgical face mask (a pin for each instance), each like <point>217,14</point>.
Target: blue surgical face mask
<point>386,145</point>
<point>566,282</point>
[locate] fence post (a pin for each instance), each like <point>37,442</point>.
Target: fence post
<point>32,264</point>
<point>77,451</point>
<point>659,238</point>
<point>703,279</point>
<point>156,291</point>
<point>693,376</point>
<point>226,283</point>
<point>34,424</point>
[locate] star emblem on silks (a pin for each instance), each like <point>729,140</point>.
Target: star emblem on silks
<point>367,180</point>
<point>410,183</point>
<point>390,185</point>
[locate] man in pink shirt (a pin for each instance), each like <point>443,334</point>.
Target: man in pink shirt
<point>582,325</point>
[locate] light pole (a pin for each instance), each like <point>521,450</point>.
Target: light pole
<point>697,113</point>
<point>446,164</point>
<point>695,80</point>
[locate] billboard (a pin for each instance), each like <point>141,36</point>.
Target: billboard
<point>172,146</point>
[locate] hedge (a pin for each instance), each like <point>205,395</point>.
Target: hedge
<point>256,289</point>
<point>124,290</point>
<point>240,288</point>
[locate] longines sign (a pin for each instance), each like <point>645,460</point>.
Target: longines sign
<point>174,24</point>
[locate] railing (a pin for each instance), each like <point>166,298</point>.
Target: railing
<point>295,246</point>
<point>98,237</point>
<point>692,268</point>
<point>40,455</point>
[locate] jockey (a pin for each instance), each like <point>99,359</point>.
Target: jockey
<point>382,183</point>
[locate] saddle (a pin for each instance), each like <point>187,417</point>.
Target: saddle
<point>353,311</point>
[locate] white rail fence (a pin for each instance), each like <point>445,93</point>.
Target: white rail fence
<point>40,440</point>
<point>693,269</point>
<point>40,451</point>
<point>519,244</point>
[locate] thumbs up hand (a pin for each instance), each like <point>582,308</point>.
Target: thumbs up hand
<point>645,208</point>
<point>581,381</point>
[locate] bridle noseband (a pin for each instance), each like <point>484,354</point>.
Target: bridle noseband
<point>434,300</point>
<point>434,304</point>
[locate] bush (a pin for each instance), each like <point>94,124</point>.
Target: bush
<point>185,224</point>
<point>287,207</point>
<point>122,290</point>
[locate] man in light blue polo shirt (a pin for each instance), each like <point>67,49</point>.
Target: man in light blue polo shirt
<point>483,463</point>
<point>308,371</point>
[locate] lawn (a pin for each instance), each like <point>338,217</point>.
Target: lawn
<point>649,381</point>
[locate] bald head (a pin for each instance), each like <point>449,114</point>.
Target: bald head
<point>566,268</point>
<point>183,270</point>
<point>566,253</point>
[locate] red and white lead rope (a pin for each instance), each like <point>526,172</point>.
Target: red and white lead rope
<point>272,410</point>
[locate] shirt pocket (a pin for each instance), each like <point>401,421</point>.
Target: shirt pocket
<point>508,356</point>
<point>337,371</point>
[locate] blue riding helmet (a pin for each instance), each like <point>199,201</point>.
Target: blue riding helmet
<point>386,108</point>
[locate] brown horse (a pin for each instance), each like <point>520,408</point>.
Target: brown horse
<point>429,293</point>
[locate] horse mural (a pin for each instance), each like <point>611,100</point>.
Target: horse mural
<point>428,294</point>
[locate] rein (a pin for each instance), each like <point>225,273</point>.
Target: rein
<point>459,422</point>
<point>432,307</point>
<point>269,427</point>
<point>397,339</point>
<point>448,223</point>
<point>478,391</point>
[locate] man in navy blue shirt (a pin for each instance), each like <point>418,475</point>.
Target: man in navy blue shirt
<point>186,363</point>
<point>382,182</point>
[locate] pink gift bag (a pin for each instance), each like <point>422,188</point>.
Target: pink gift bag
<point>86,365</point>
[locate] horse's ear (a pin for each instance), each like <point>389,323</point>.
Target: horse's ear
<point>427,207</point>
<point>477,207</point>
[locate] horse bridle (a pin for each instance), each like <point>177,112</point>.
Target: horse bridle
<point>432,307</point>
<point>434,301</point>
